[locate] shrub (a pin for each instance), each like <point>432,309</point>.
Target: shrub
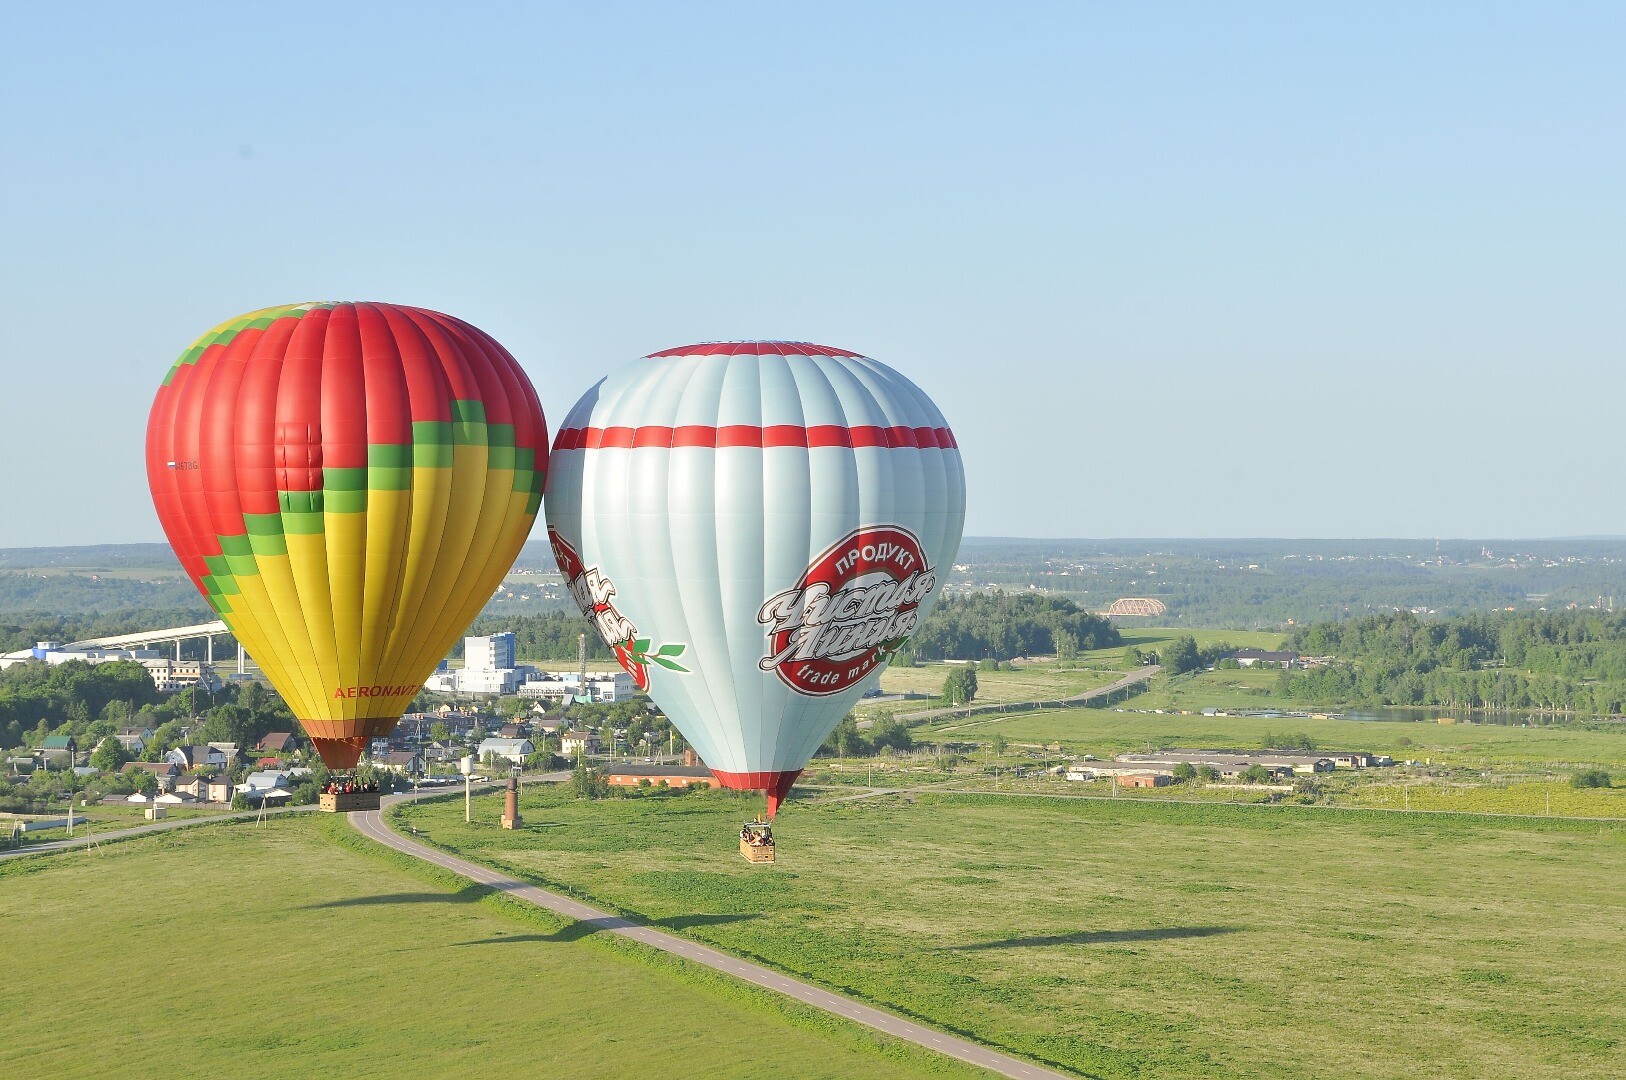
<point>1591,778</point>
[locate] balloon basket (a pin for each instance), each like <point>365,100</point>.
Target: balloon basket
<point>345,802</point>
<point>757,843</point>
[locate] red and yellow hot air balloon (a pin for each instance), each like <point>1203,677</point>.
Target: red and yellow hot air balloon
<point>346,484</point>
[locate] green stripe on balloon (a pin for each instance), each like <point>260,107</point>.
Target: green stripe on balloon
<point>223,335</point>
<point>305,523</point>
<point>344,501</point>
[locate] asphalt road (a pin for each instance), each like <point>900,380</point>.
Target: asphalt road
<point>141,830</point>
<point>371,825</point>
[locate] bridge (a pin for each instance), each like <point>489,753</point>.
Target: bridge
<point>142,639</point>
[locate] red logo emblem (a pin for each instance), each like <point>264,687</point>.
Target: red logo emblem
<point>594,593</point>
<point>855,606</point>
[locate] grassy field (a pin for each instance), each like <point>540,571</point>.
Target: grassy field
<point>1023,682</point>
<point>286,952</point>
<point>1104,732</point>
<point>102,819</point>
<point>1134,938</point>
<point>1039,680</point>
<point>1230,688</point>
<point>1151,638</point>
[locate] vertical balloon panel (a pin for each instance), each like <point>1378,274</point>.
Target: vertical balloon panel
<point>346,484</point>
<point>756,528</point>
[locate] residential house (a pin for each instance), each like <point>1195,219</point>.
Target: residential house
<point>276,742</point>
<point>164,772</point>
<point>56,750</point>
<point>197,757</point>
<point>514,750</point>
<point>264,780</point>
<point>405,762</point>
<point>134,740</point>
<point>193,784</point>
<point>577,743</point>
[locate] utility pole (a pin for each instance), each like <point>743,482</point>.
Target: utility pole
<point>466,766</point>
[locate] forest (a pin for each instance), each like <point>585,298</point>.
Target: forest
<point>999,625</point>
<point>1542,661</point>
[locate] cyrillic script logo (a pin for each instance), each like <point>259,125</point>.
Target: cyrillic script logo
<point>594,593</point>
<point>855,606</point>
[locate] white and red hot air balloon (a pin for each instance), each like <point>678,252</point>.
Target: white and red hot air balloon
<point>755,528</point>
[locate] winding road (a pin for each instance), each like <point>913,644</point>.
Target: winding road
<point>371,824</point>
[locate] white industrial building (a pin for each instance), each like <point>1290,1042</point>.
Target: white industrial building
<point>493,653</point>
<point>558,685</point>
<point>488,668</point>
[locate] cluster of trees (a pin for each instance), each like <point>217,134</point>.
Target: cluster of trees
<point>1542,661</point>
<point>84,700</point>
<point>1007,625</point>
<point>91,702</point>
<point>1182,655</point>
<point>885,735</point>
<point>961,685</point>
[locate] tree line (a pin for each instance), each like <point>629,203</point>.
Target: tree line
<point>1000,626</point>
<point>1541,661</point>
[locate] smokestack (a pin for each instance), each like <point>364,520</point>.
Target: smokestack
<point>510,804</point>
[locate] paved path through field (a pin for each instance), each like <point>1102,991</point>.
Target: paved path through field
<point>371,824</point>
<point>141,830</point>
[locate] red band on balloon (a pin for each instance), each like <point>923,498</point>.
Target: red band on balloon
<point>701,435</point>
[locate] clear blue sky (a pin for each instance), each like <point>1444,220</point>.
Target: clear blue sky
<point>1169,269</point>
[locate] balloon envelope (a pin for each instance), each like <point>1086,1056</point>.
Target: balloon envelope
<point>346,484</point>
<point>755,528</point>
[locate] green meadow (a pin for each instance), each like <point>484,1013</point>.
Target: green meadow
<point>1104,732</point>
<point>1134,938</point>
<point>299,950</point>
<point>1047,679</point>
